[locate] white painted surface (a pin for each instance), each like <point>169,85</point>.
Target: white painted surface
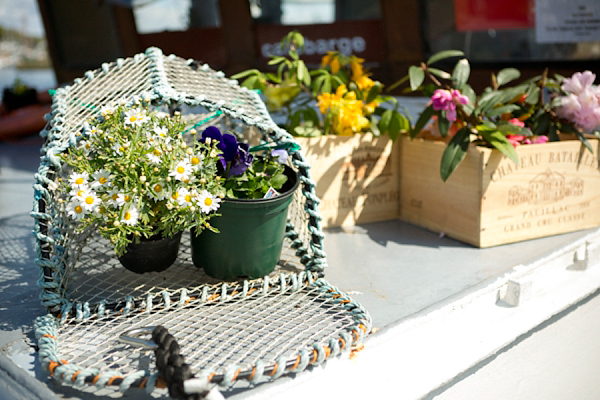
<point>560,361</point>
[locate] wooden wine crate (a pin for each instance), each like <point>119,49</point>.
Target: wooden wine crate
<point>357,177</point>
<point>489,200</point>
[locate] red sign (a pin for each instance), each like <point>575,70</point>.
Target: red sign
<point>480,15</point>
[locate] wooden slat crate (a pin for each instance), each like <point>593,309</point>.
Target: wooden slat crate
<point>357,177</point>
<point>489,200</point>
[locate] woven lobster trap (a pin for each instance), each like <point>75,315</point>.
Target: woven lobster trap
<point>109,330</point>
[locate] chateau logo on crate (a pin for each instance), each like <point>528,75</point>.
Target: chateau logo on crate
<point>547,187</point>
<point>357,177</point>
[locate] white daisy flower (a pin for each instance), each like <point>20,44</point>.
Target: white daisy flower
<point>161,131</point>
<point>154,156</point>
<point>208,202</point>
<point>107,110</point>
<point>78,193</point>
<point>159,191</point>
<point>184,197</point>
<point>119,148</point>
<point>115,199</point>
<point>79,180</point>
<point>76,210</point>
<point>86,146</point>
<point>195,161</point>
<point>102,179</point>
<point>90,200</point>
<point>135,116</point>
<point>130,216</point>
<point>182,171</point>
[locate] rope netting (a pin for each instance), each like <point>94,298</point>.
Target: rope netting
<point>228,331</point>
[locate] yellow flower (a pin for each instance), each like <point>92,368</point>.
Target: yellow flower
<point>346,112</point>
<point>332,60</point>
<point>279,96</point>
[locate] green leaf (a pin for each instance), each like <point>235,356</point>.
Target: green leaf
<point>468,91</point>
<point>533,95</point>
<point>444,54</point>
<point>397,83</point>
<point>374,128</point>
<point>585,142</point>
<point>404,122</point>
<point>510,129</point>
<point>423,119</point>
<point>461,72</point>
<point>417,75</point>
<point>507,75</point>
<point>278,180</point>
<point>384,122</point>
<point>373,93</point>
<point>439,73</point>
<point>245,73</point>
<point>276,60</point>
<point>543,123</point>
<point>443,125</point>
<point>394,126</point>
<point>502,110</point>
<point>499,141</point>
<point>455,152</point>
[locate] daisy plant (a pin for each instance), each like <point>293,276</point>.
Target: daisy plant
<point>504,117</point>
<point>133,175</point>
<point>339,98</point>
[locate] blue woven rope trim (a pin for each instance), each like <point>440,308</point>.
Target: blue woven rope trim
<point>46,331</point>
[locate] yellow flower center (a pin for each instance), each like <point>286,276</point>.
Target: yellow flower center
<point>115,196</point>
<point>89,200</point>
<point>78,209</point>
<point>127,197</point>
<point>158,188</point>
<point>127,216</point>
<point>188,198</point>
<point>208,201</point>
<point>175,196</point>
<point>133,118</point>
<point>180,170</point>
<point>102,180</point>
<point>156,152</point>
<point>79,181</point>
<point>80,192</point>
<point>195,160</point>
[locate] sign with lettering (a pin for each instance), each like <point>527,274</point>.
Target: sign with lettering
<point>567,21</point>
<point>362,38</point>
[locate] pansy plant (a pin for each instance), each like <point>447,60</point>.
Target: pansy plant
<point>133,175</point>
<point>246,175</point>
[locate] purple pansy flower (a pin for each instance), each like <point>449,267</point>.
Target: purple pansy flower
<point>234,153</point>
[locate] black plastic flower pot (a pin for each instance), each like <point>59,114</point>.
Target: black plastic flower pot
<point>250,238</point>
<point>153,254</point>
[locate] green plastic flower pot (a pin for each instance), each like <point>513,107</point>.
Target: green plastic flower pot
<point>250,238</point>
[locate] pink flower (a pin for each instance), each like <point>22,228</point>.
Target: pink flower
<point>441,99</point>
<point>516,122</point>
<point>446,100</point>
<point>578,82</point>
<point>582,103</point>
<point>515,140</point>
<point>540,139</point>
